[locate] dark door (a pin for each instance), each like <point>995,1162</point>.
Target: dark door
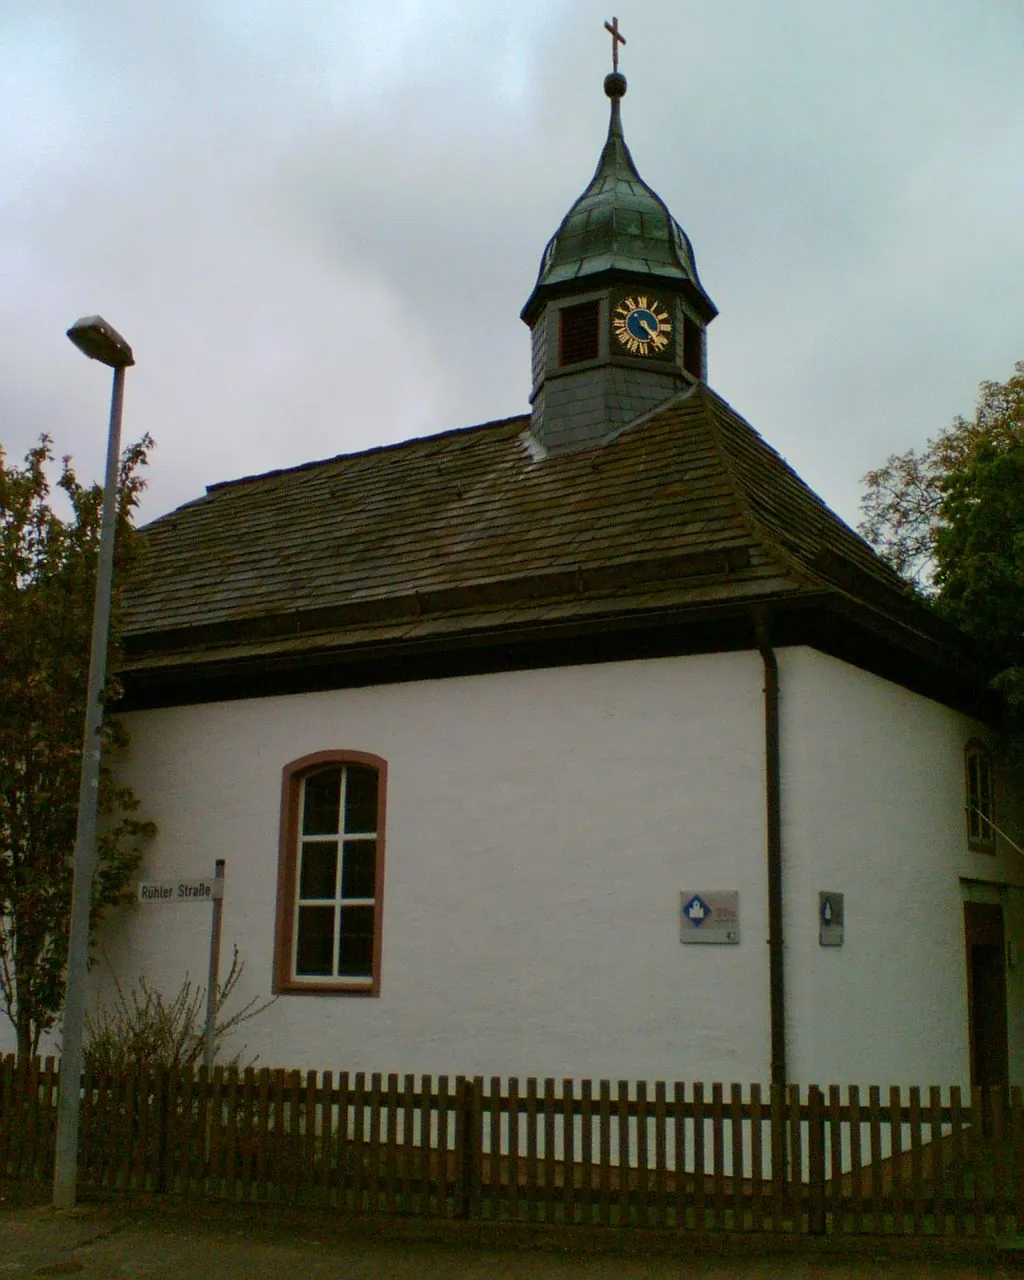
<point>986,993</point>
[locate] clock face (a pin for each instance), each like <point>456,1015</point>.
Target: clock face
<point>642,325</point>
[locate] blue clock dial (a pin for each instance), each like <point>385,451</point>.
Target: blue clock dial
<point>642,324</point>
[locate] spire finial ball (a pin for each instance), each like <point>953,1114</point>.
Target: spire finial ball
<point>615,84</point>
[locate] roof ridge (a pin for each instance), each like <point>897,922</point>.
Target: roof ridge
<point>755,525</point>
<point>825,518</point>
<point>641,420</point>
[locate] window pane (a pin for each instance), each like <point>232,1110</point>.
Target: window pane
<point>973,825</point>
<point>360,799</point>
<point>984,788</point>
<point>972,781</point>
<point>359,869</point>
<point>316,941</point>
<point>319,869</point>
<point>322,798</point>
<point>355,946</point>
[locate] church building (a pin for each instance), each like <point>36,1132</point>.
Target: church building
<point>587,742</point>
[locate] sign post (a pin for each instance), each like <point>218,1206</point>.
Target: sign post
<point>214,974</point>
<point>162,892</point>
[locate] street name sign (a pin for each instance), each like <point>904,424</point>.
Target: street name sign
<point>157,892</point>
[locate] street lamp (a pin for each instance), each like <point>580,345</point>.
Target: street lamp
<point>101,342</point>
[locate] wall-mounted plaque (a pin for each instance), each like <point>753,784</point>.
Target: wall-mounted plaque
<point>707,915</point>
<point>830,919</point>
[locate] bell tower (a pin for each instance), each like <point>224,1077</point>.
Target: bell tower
<point>618,315</point>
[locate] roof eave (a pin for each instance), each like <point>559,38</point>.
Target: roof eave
<point>543,292</point>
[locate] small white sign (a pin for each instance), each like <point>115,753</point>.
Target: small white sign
<point>162,891</point>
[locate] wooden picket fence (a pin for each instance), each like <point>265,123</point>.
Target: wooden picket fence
<point>689,1158</point>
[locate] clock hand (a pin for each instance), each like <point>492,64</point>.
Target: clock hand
<point>646,327</point>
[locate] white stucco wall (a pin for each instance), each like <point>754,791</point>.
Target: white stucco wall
<point>540,827</point>
<point>873,807</point>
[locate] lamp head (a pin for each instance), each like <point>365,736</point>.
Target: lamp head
<point>101,341</point>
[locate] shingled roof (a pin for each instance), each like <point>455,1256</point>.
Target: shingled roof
<point>470,536</point>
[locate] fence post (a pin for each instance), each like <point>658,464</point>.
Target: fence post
<point>463,1123</point>
<point>1016,1125</point>
<point>777,1126</point>
<point>476,1207</point>
<point>816,1161</point>
<point>163,1144</point>
<point>467,1145</point>
<point>6,1121</point>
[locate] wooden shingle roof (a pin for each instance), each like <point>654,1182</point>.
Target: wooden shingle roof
<point>470,532</point>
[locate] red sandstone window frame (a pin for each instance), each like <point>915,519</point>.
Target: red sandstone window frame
<point>979,799</point>
<point>293,775</point>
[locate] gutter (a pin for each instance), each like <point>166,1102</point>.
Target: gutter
<point>773,833</point>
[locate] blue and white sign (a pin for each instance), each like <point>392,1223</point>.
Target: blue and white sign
<point>709,916</point>
<point>830,918</point>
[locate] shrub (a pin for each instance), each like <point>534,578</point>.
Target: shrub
<point>144,1030</point>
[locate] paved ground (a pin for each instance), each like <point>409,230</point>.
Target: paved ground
<point>176,1243</point>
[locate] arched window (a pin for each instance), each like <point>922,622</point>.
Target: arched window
<point>980,803</point>
<point>331,874</point>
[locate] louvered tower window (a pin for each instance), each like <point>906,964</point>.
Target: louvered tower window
<point>693,352</point>
<point>579,333</point>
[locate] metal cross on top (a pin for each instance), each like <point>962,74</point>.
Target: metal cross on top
<point>613,27</point>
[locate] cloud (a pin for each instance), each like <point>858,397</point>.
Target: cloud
<point>317,222</point>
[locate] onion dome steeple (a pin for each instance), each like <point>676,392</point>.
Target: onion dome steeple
<point>618,225</point>
<point>618,312</point>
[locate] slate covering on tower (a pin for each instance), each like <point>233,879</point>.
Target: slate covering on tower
<point>618,227</point>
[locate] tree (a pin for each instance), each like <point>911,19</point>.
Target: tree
<point>47,584</point>
<point>951,520</point>
<point>903,503</point>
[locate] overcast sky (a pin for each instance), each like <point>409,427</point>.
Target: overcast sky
<point>316,221</point>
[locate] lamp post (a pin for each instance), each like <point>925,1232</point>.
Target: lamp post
<point>100,342</point>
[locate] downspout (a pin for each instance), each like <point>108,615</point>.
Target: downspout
<point>773,803</point>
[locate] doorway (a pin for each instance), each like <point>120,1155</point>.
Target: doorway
<point>986,993</point>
